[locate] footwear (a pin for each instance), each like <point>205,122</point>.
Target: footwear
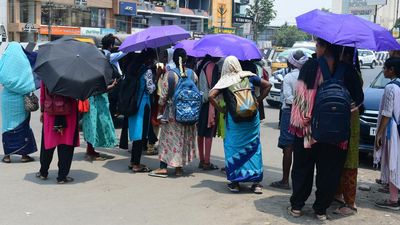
<point>280,185</point>
<point>322,217</point>
<point>96,157</point>
<point>40,176</point>
<point>387,204</point>
<point>65,180</point>
<point>234,187</point>
<point>257,188</point>
<point>6,159</point>
<point>157,173</point>
<point>151,150</point>
<point>26,159</point>
<point>201,165</point>
<point>345,210</point>
<point>141,169</point>
<point>209,166</point>
<point>294,213</point>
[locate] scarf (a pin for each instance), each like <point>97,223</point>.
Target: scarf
<point>231,74</point>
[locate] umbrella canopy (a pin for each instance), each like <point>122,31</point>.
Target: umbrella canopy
<point>224,45</point>
<point>188,45</point>
<point>154,37</point>
<point>72,68</point>
<point>347,30</point>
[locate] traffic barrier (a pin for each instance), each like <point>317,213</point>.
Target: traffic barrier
<point>381,57</point>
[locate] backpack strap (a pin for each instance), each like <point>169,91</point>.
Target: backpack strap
<point>323,65</point>
<point>396,82</point>
<point>339,74</point>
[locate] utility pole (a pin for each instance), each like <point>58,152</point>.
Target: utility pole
<point>50,5</point>
<point>255,19</point>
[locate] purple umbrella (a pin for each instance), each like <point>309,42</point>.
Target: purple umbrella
<point>188,45</point>
<point>154,37</point>
<point>347,30</point>
<point>224,45</point>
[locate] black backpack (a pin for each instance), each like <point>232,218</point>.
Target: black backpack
<point>129,98</point>
<point>394,118</point>
<point>332,108</point>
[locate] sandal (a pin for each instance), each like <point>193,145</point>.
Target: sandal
<point>156,173</point>
<point>141,169</point>
<point>65,180</point>
<point>201,165</point>
<point>26,159</point>
<point>40,176</point>
<point>209,166</point>
<point>92,158</point>
<point>322,217</point>
<point>234,187</point>
<point>280,185</point>
<point>6,159</point>
<point>257,188</point>
<point>345,210</point>
<point>294,213</point>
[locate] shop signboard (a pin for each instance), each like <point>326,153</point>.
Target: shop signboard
<point>242,19</point>
<point>60,30</point>
<point>29,27</point>
<point>105,31</point>
<point>223,30</point>
<point>127,9</point>
<point>90,31</point>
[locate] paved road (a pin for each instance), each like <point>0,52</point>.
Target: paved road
<point>107,193</point>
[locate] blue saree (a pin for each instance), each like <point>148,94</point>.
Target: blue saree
<point>243,158</point>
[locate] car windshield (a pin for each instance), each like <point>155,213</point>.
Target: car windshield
<point>380,81</point>
<point>282,56</point>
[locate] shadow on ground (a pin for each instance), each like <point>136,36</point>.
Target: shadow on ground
<point>80,176</point>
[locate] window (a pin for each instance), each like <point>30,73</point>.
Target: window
<point>11,17</point>
<point>140,22</point>
<point>121,23</point>
<point>193,26</point>
<point>166,22</point>
<point>27,11</point>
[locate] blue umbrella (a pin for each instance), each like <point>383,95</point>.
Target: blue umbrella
<point>154,37</point>
<point>347,30</point>
<point>224,45</point>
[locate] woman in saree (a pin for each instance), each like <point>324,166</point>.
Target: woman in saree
<point>17,80</point>
<point>243,159</point>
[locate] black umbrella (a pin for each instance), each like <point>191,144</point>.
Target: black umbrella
<point>72,68</point>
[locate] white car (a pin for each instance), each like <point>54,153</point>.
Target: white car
<point>367,58</point>
<point>276,79</point>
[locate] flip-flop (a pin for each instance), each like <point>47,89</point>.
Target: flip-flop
<point>66,180</point>
<point>293,213</point>
<point>143,169</point>
<point>27,159</point>
<point>6,160</point>
<point>210,167</point>
<point>351,211</point>
<point>155,174</point>
<point>40,176</point>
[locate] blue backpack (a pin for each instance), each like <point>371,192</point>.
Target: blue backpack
<point>332,108</point>
<point>394,118</point>
<point>186,98</point>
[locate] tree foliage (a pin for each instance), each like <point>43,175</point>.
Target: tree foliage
<point>262,13</point>
<point>287,35</point>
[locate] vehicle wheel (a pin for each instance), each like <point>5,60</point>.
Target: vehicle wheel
<point>274,104</point>
<point>373,64</point>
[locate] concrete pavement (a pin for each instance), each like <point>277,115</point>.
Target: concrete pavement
<point>107,193</point>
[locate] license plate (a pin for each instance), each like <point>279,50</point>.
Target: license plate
<point>372,131</point>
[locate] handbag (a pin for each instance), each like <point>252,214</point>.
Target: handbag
<point>31,102</point>
<point>83,106</point>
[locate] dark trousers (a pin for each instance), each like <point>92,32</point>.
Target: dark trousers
<point>152,135</point>
<point>137,148</point>
<point>329,161</point>
<point>123,141</point>
<point>65,155</point>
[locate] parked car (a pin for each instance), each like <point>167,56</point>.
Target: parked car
<point>367,58</point>
<point>369,118</point>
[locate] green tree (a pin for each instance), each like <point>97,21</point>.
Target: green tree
<point>287,35</point>
<point>262,13</point>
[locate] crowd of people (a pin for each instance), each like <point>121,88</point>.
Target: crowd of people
<point>231,108</point>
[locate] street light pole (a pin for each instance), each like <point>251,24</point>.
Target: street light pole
<point>50,4</point>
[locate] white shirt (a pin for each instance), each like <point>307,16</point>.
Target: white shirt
<point>288,87</point>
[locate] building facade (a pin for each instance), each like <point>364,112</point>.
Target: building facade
<point>34,20</point>
<point>387,11</point>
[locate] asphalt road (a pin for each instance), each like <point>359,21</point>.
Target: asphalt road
<point>107,193</point>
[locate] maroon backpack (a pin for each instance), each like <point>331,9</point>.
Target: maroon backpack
<point>56,105</point>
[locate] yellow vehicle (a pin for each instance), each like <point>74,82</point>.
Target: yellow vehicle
<point>276,63</point>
